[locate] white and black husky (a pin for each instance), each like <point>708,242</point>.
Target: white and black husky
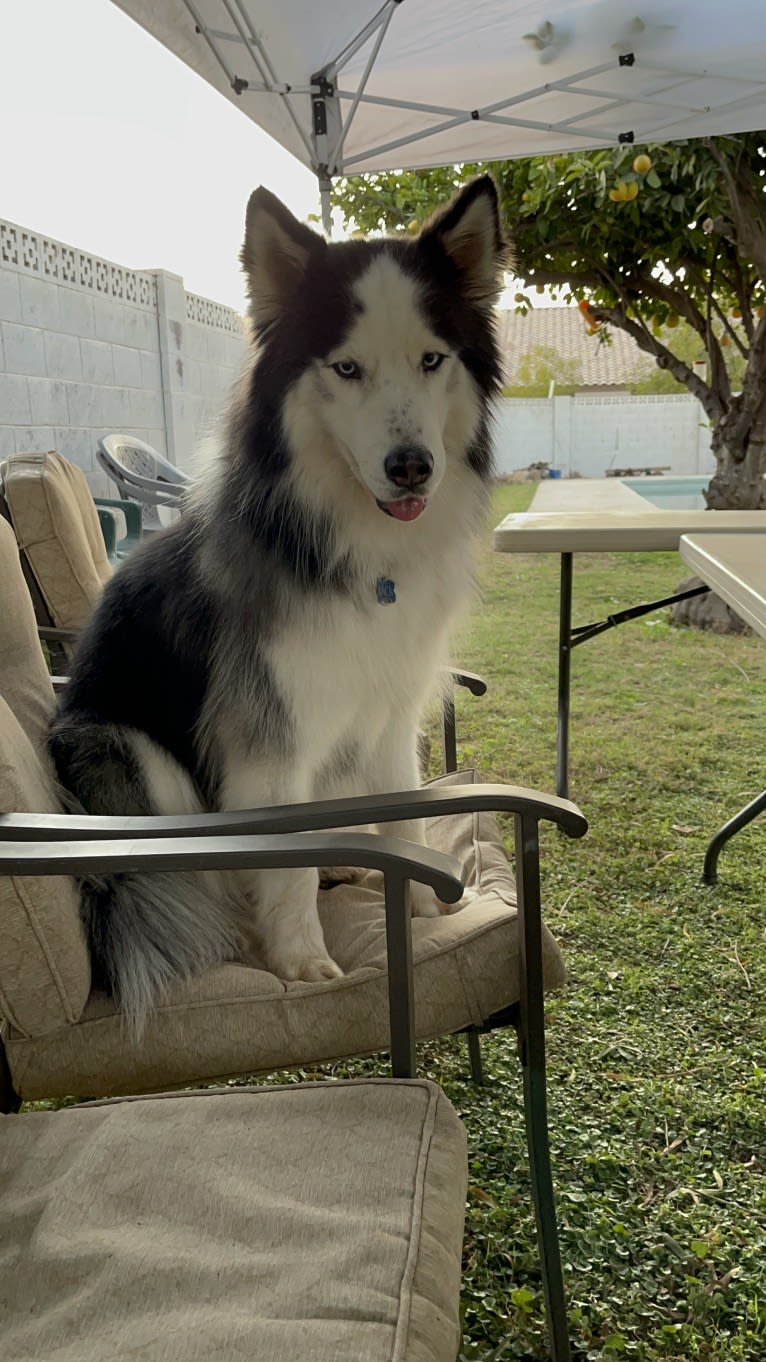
<point>279,642</point>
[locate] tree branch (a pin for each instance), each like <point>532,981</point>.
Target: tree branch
<point>713,401</point>
<point>710,401</point>
<point>753,396</point>
<point>746,214</point>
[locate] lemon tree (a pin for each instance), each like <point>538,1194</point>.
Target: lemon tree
<point>645,238</point>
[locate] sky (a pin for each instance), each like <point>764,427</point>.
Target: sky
<point>109,143</point>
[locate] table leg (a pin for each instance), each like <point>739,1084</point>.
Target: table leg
<point>565,656</point>
<point>735,824</point>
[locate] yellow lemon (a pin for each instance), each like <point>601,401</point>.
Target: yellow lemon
<point>642,164</point>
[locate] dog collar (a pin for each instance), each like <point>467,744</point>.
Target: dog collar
<point>385,591</point>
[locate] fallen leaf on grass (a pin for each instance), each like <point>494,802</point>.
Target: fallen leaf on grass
<point>685,829</point>
<point>479,1194</point>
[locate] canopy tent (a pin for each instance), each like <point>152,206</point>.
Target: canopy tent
<point>359,85</point>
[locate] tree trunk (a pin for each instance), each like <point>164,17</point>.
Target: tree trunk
<point>738,483</point>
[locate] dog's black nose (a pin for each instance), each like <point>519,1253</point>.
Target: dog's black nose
<point>409,465</point>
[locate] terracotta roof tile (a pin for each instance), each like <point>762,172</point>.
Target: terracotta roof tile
<point>562,329</point>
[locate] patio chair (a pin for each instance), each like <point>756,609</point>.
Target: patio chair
<point>65,538</point>
<point>142,473</point>
<point>484,965</point>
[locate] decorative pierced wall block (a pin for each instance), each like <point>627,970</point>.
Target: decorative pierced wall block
<point>39,255</point>
<point>9,244</point>
<point>208,313</point>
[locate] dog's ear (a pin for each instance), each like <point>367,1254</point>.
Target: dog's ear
<point>274,255</point>
<point>469,230</point>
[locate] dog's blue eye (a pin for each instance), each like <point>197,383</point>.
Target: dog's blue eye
<point>432,361</point>
<point>347,368</point>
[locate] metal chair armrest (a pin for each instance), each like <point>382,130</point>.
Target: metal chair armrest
<point>397,806</point>
<point>477,686</point>
<point>471,680</point>
<point>207,851</point>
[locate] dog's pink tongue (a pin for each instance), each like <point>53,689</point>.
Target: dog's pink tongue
<point>407,508</point>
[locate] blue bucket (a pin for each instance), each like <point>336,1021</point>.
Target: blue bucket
<point>554,472</point>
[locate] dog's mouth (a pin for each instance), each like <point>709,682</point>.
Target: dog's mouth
<point>403,508</point>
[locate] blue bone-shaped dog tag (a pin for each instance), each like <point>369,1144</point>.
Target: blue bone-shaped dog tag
<point>385,590</point>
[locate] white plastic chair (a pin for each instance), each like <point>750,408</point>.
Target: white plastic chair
<point>142,474</point>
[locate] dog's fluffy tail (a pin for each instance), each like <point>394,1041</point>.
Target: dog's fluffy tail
<point>148,931</point>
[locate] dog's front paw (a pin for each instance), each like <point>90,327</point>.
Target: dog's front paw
<point>332,875</point>
<point>313,969</point>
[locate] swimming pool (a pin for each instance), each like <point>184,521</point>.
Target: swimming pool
<point>671,494</point>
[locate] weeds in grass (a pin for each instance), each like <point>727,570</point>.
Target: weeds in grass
<point>657,1048</point>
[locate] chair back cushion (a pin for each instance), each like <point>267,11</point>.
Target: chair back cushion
<point>57,527</point>
<point>44,962</point>
<point>24,680</point>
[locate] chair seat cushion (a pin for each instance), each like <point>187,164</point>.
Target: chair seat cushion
<point>240,1019</point>
<point>317,1222</point>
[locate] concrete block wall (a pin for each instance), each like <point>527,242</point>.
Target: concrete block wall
<point>88,346</point>
<point>590,433</point>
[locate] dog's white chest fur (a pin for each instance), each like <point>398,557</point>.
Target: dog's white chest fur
<point>352,669</point>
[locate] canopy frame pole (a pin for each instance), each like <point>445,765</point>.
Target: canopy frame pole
<point>476,115</point>
<point>252,44</point>
<point>382,31</point>
<point>257,46</point>
<point>331,69</point>
<point>325,112</point>
<point>205,33</point>
<point>325,189</point>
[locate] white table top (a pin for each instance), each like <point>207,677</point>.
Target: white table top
<point>615,531</point>
<point>734,565</point>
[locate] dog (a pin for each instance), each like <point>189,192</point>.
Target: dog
<point>278,643</point>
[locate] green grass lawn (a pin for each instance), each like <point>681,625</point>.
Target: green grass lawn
<point>657,1048</point>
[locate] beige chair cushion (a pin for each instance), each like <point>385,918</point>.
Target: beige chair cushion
<point>57,526</point>
<point>25,683</point>
<point>309,1223</point>
<point>24,680</point>
<point>237,1019</point>
<point>44,961</point>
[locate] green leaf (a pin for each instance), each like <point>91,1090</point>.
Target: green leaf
<point>652,179</point>
<point>523,1298</point>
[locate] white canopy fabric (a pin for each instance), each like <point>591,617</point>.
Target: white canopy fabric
<point>370,85</point>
